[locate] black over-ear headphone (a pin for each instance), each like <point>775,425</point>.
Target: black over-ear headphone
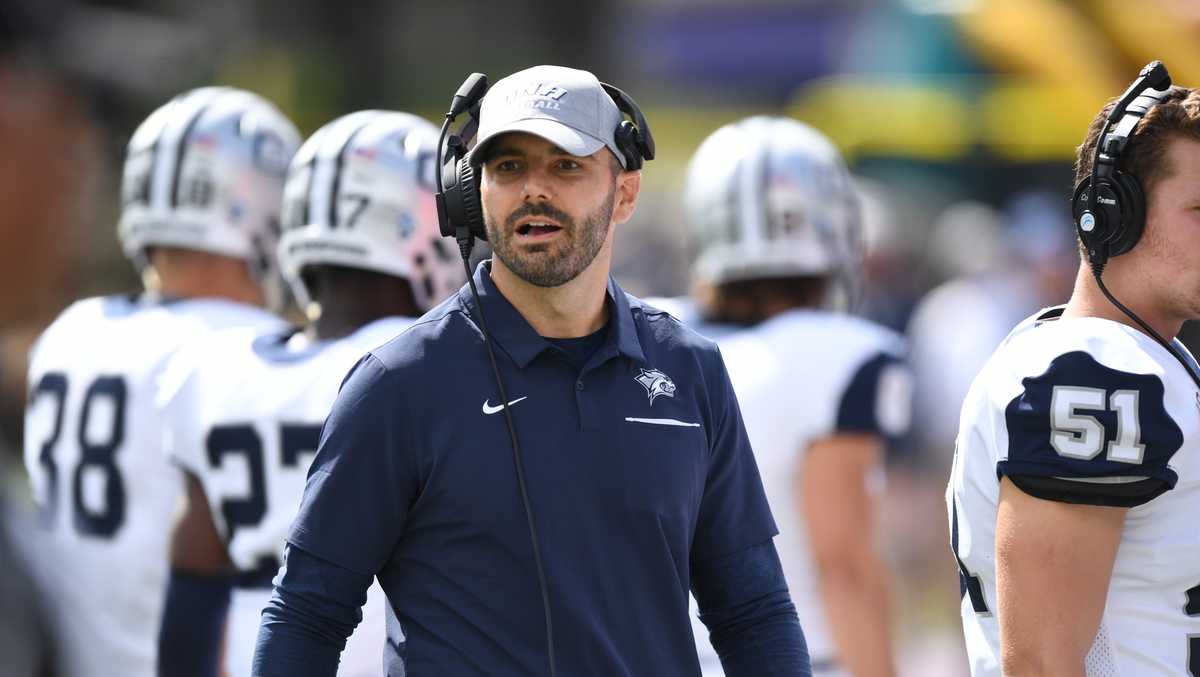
<point>633,139</point>
<point>1109,205</point>
<point>460,211</point>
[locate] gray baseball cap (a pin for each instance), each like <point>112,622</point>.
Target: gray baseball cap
<point>565,106</point>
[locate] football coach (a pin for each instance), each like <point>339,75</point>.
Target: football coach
<point>639,475</point>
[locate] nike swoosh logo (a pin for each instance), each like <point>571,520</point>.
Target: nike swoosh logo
<point>489,409</point>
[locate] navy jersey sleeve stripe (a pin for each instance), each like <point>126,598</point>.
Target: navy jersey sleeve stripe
<point>1103,429</point>
<point>860,408</point>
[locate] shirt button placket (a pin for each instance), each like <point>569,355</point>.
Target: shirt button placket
<point>579,405</point>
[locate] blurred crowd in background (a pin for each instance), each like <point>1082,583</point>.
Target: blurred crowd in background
<point>959,117</point>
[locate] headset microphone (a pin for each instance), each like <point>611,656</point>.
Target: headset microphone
<point>1153,76</point>
<point>460,215</point>
<point>469,94</point>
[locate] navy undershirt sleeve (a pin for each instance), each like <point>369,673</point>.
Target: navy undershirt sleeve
<point>314,609</point>
<point>752,623</point>
<point>189,639</point>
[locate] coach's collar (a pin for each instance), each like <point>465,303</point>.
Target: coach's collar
<point>514,335</point>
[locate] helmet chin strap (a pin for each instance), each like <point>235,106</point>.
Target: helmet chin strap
<point>151,280</point>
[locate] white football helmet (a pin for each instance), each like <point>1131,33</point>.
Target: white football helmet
<point>771,197</point>
<point>206,171</point>
<point>360,193</point>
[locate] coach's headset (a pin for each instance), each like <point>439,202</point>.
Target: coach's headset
<point>1109,205</point>
<point>460,215</point>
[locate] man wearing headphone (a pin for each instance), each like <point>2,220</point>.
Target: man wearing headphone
<point>1074,492</point>
<point>634,480</point>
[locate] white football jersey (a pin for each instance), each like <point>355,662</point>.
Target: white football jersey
<point>1086,410</point>
<point>244,413</point>
<point>104,490</point>
<point>687,311</point>
<point>802,376</point>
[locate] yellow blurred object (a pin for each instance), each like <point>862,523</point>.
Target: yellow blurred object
<point>941,120</point>
<point>1154,30</point>
<point>1026,121</point>
<point>880,116</point>
<point>1049,40</point>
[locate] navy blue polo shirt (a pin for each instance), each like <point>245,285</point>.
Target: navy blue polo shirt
<point>637,465</point>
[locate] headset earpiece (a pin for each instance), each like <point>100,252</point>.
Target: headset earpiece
<point>626,137</point>
<point>460,208</point>
<point>472,203</point>
<point>1094,226</point>
<point>1132,203</point>
<point>1117,217</point>
<point>633,138</point>
<point>461,198</point>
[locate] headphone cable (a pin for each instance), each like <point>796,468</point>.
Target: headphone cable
<point>464,248</point>
<point>1097,269</point>
<point>465,244</point>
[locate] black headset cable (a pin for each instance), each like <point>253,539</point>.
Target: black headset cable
<point>1097,269</point>
<point>465,243</point>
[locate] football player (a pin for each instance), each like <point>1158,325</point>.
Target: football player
<point>201,191</point>
<point>361,249</point>
<point>775,215</point>
<point>1074,493</point>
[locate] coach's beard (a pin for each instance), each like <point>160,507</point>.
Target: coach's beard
<point>540,265</point>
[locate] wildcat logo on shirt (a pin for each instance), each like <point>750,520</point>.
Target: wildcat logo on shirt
<point>656,383</point>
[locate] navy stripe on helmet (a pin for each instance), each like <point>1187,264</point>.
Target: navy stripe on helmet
<point>181,149</point>
<point>306,213</point>
<point>339,164</point>
<point>152,170</point>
